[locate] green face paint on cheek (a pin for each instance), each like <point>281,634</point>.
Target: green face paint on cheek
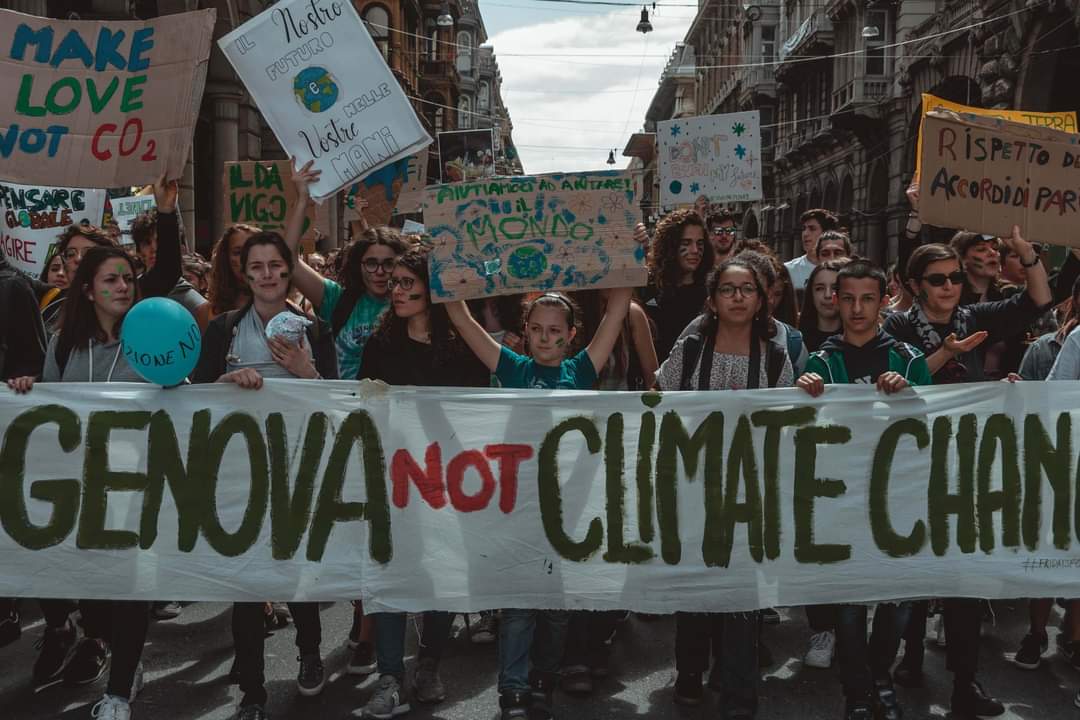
<point>105,293</point>
<point>560,342</point>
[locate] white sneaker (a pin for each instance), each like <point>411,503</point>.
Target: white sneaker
<point>138,683</point>
<point>822,647</point>
<point>940,631</point>
<point>111,707</point>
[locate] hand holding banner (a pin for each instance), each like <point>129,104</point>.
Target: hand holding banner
<point>100,103</point>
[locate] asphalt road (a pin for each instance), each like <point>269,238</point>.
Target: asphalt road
<point>187,661</point>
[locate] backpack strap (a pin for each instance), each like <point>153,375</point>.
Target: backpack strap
<point>48,297</point>
<point>775,362</point>
<point>691,351</point>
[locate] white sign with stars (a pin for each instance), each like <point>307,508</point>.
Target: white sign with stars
<point>715,156</point>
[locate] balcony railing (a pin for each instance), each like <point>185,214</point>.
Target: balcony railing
<point>815,29</point>
<point>860,91</point>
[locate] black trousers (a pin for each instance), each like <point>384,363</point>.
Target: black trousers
<point>586,636</point>
<point>963,618</point>
<point>732,638</point>
<point>249,638</point>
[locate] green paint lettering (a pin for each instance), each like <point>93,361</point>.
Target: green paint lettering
<point>808,488</point>
<point>551,511</point>
<point>774,421</point>
<point>290,512</point>
<point>247,427</point>
<point>617,548</point>
<point>164,465</point>
<point>1041,456</point>
<point>885,536</point>
<point>675,443</point>
<point>940,502</point>
<point>99,480</point>
<point>720,531</point>
<point>999,433</point>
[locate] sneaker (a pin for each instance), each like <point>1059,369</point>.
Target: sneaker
<point>688,690</point>
<point>427,684</point>
<point>138,682</point>
<point>770,616</point>
<point>859,711</point>
<point>888,704</point>
<point>577,680</point>
<point>169,610</point>
<point>939,631</point>
<point>363,661</point>
<point>514,705</point>
<point>542,686</point>
<point>1031,650</point>
<point>251,712</point>
<point>484,631</point>
<point>389,700</point>
<point>822,647</point>
<point>89,662</point>
<point>1070,650</point>
<point>111,707</point>
<point>971,701</point>
<point>56,647</point>
<point>10,627</point>
<point>354,631</point>
<point>312,677</point>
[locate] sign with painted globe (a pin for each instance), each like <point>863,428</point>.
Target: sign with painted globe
<point>499,236</point>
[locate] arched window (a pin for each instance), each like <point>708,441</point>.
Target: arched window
<point>464,52</point>
<point>377,20</point>
<point>464,113</point>
<point>483,95</point>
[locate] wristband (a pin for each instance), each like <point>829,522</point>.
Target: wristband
<point>1031,264</point>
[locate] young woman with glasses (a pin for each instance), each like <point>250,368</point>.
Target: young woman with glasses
<point>353,304</point>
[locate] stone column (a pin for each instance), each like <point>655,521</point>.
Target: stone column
<point>186,201</point>
<point>226,104</point>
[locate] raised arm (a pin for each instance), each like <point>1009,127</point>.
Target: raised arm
<point>603,342</point>
<point>475,336</point>
<point>306,280</point>
<point>160,280</point>
<point>1038,284</point>
<point>643,343</point>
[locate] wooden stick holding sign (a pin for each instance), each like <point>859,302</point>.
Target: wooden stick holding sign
<point>545,232</point>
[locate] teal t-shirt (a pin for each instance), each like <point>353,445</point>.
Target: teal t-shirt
<point>354,334</point>
<point>519,371</point>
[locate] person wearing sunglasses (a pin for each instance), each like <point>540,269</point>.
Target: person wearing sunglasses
<point>723,233</point>
<point>954,337</point>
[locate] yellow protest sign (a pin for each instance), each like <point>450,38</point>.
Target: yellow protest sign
<point>1064,121</point>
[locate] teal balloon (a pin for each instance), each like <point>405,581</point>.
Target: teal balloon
<point>161,341</point>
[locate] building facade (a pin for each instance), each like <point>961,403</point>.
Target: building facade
<point>839,85</point>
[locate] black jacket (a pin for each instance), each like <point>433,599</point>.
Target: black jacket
<point>219,333</point>
<point>22,334</point>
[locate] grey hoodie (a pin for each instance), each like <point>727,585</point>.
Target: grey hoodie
<point>77,368</point>
<point>186,294</point>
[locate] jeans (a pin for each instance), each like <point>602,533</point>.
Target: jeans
<point>587,635</point>
<point>732,638</point>
<point>390,640</point>
<point>539,635</point>
<point>862,663</point>
<point>249,639</point>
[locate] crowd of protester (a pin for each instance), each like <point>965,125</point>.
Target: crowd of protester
<point>721,312</point>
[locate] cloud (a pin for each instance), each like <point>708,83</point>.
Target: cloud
<point>578,101</point>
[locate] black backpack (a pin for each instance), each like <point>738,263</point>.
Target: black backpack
<point>695,345</point>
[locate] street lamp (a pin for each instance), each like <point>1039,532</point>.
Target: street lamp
<point>611,158</point>
<point>870,32</point>
<point>644,26</point>
<point>445,18</point>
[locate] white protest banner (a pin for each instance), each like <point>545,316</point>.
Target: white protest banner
<point>34,217</point>
<point>715,156</point>
<point>102,103</point>
<point>543,232</point>
<point>987,174</point>
<point>126,209</point>
<point>467,499</point>
<point>325,89</point>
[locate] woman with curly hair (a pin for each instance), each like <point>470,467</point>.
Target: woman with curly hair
<point>679,261</point>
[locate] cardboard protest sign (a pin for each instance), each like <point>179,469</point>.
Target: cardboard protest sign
<point>466,499</point>
<point>124,210</point>
<point>261,193</point>
<point>35,216</point>
<point>325,89</point>
<point>100,103</point>
<point>1064,121</point>
<point>395,189</point>
<point>986,175</point>
<point>542,232</point>
<point>715,156</point>
<point>466,155</point>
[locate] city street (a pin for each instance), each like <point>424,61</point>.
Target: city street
<point>187,661</point>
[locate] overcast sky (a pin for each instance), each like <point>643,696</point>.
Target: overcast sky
<point>577,80</point>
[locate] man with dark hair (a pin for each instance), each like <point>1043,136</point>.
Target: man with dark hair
<point>863,354</point>
<point>723,233</point>
<point>814,222</point>
<point>144,234</point>
<point>833,245</point>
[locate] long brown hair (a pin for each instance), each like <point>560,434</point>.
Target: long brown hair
<point>664,254</point>
<point>351,276</point>
<point>79,323</point>
<point>808,316</point>
<point>225,287</point>
<point>1072,315</point>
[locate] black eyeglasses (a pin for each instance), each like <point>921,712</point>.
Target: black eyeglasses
<point>724,230</point>
<point>939,279</point>
<point>746,290</point>
<point>405,283</point>
<point>372,265</point>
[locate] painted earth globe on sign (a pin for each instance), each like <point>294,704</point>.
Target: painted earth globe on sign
<point>526,263</point>
<point>315,89</point>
